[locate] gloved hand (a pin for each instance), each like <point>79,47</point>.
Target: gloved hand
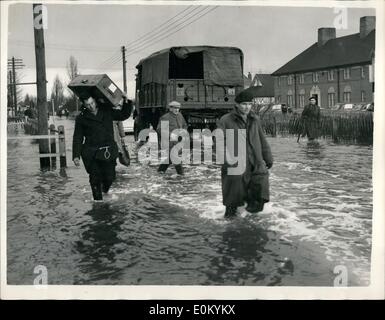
<point>269,165</point>
<point>77,162</point>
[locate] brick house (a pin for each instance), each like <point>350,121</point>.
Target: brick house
<point>333,69</point>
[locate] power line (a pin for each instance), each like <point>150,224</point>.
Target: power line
<point>115,57</point>
<point>170,28</point>
<point>63,47</point>
<point>170,34</point>
<point>111,58</point>
<point>160,28</point>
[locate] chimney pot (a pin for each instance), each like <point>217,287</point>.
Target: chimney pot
<point>367,24</point>
<point>325,34</point>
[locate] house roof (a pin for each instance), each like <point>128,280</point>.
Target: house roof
<point>262,86</point>
<point>347,50</point>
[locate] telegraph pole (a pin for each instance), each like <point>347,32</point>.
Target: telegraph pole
<point>14,85</point>
<point>41,85</point>
<point>13,65</point>
<point>124,69</point>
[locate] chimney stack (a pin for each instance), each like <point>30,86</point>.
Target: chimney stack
<point>367,24</point>
<point>325,34</point>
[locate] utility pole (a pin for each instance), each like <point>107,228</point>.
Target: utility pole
<point>10,90</point>
<point>14,85</point>
<point>124,69</point>
<point>13,65</point>
<point>41,86</point>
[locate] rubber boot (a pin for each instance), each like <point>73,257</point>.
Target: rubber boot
<point>97,191</point>
<point>255,206</point>
<point>231,212</point>
<point>106,185</point>
<point>179,169</point>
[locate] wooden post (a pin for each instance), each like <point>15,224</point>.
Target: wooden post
<point>62,147</point>
<point>124,69</point>
<point>52,131</point>
<point>335,130</point>
<point>14,86</point>
<point>41,85</point>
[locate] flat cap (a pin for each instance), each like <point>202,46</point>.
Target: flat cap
<point>174,104</point>
<point>244,96</point>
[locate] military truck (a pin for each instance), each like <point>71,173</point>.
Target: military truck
<point>204,79</point>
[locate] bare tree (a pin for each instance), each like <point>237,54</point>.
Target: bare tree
<point>72,72</point>
<point>72,68</point>
<point>19,91</point>
<point>57,94</point>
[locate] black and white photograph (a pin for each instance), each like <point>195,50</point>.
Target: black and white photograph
<point>221,146</point>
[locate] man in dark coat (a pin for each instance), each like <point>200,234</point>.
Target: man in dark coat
<point>175,121</point>
<point>310,119</point>
<point>93,130</point>
<point>251,185</point>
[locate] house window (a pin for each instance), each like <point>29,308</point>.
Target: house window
<point>362,73</point>
<point>330,75</point>
<point>315,77</point>
<point>302,98</point>
<point>301,78</point>
<point>279,99</point>
<point>347,94</point>
<point>363,96</point>
<point>289,99</point>
<point>278,81</point>
<point>290,80</point>
<point>347,73</point>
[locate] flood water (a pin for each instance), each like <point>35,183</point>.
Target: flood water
<point>169,230</point>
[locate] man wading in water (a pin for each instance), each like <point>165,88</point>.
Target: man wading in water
<point>93,140</point>
<point>310,119</point>
<point>252,183</point>
<point>175,121</point>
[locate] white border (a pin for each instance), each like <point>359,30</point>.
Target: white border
<point>374,291</point>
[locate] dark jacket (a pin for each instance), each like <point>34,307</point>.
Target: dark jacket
<point>92,132</point>
<point>310,118</point>
<point>258,157</point>
<point>174,122</point>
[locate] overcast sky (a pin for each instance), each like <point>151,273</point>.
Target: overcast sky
<point>93,34</point>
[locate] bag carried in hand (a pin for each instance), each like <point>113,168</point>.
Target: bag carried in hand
<point>107,153</point>
<point>124,156</point>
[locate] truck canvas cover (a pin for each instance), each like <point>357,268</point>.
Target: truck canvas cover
<point>222,66</point>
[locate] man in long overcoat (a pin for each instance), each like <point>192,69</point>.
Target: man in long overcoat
<point>93,130</point>
<point>251,185</point>
<point>310,119</point>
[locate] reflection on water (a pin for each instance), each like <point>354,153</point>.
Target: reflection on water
<point>167,229</point>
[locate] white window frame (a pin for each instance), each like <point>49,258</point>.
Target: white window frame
<point>289,80</point>
<point>330,75</point>
<point>362,72</point>
<point>315,77</point>
<point>363,96</point>
<point>347,97</point>
<point>346,73</point>
<point>331,99</point>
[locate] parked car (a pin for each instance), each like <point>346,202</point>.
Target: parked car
<point>368,107</point>
<point>337,107</point>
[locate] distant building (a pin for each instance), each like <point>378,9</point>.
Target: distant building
<point>261,86</point>
<point>332,70</point>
